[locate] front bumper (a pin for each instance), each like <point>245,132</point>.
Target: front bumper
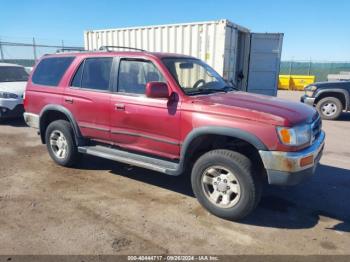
<point>307,100</point>
<point>286,168</point>
<point>15,112</point>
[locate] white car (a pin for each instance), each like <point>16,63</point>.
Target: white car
<point>13,80</point>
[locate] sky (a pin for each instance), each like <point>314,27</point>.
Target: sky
<point>316,30</point>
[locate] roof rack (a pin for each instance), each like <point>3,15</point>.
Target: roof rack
<point>70,49</point>
<point>108,47</point>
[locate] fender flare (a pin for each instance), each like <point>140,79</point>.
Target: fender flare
<point>336,90</point>
<point>217,130</point>
<point>67,113</point>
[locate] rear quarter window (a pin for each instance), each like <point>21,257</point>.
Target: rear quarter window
<point>49,71</point>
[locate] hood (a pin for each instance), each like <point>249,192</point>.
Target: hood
<point>333,84</point>
<point>13,87</point>
<point>257,107</point>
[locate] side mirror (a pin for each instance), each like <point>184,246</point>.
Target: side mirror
<point>157,90</point>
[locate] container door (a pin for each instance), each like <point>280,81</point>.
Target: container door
<point>264,64</point>
<point>230,55</point>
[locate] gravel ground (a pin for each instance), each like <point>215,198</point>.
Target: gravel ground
<point>102,207</point>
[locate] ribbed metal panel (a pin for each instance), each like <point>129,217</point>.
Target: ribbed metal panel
<point>214,42</point>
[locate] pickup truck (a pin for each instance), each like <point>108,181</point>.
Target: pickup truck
<point>172,114</point>
<point>329,98</point>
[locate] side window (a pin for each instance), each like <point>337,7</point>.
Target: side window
<point>134,75</point>
<point>49,71</point>
<point>95,73</point>
<point>76,82</point>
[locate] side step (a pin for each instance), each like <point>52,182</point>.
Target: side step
<point>152,163</point>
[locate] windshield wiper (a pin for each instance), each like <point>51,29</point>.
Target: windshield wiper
<point>230,88</point>
<point>200,90</point>
<point>205,91</point>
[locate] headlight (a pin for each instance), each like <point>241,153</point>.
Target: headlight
<point>295,136</point>
<point>309,91</point>
<point>8,95</point>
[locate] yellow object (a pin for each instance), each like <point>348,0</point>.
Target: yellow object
<point>285,136</point>
<point>294,82</point>
<point>284,82</point>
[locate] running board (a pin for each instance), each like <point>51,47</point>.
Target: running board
<point>152,163</point>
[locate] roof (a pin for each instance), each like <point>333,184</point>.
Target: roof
<point>121,53</point>
<point>8,64</point>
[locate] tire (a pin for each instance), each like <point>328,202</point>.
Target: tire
<point>62,128</point>
<point>329,108</point>
<point>248,184</point>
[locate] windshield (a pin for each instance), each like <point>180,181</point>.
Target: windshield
<point>13,74</point>
<point>195,76</point>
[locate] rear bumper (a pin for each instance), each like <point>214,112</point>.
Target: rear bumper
<point>31,120</point>
<point>15,112</point>
<point>307,100</point>
<point>286,168</point>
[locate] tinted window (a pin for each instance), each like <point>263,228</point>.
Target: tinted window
<point>134,75</point>
<point>96,73</point>
<point>50,70</point>
<point>77,77</point>
<point>12,74</point>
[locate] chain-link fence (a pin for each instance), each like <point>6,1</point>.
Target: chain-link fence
<point>25,51</point>
<point>319,69</point>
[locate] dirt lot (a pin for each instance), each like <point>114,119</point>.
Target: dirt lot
<point>102,207</point>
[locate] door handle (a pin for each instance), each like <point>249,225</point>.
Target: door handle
<point>69,100</point>
<point>120,107</point>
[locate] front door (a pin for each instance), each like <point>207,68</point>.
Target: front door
<point>141,123</point>
<point>88,97</point>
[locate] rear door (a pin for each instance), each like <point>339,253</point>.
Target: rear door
<point>264,64</point>
<point>88,97</point>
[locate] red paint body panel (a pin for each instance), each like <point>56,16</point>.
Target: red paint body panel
<point>159,125</point>
<point>146,117</point>
<point>91,111</point>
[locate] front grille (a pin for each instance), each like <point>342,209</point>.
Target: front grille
<point>316,128</point>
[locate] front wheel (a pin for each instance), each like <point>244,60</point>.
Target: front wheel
<point>329,108</point>
<point>60,143</point>
<point>226,184</point>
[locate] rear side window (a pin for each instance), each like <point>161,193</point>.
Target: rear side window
<point>93,73</point>
<point>50,70</point>
<point>77,77</point>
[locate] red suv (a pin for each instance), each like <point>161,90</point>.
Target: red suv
<point>172,113</point>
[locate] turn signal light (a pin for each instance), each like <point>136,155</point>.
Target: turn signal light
<point>285,136</point>
<point>305,161</point>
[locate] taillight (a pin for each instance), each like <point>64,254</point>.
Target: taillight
<point>24,100</point>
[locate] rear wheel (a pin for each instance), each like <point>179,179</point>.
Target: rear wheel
<point>329,108</point>
<point>60,143</point>
<point>226,184</point>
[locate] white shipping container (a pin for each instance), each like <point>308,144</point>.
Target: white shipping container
<point>225,46</point>
<point>338,77</point>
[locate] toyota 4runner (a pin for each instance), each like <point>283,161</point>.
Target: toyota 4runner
<point>171,114</point>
